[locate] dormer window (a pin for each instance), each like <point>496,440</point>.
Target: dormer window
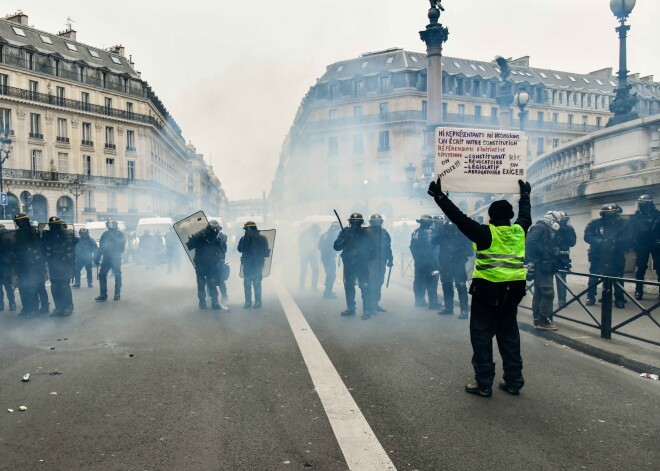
<point>46,39</point>
<point>18,31</point>
<point>115,60</point>
<point>94,54</point>
<point>72,47</point>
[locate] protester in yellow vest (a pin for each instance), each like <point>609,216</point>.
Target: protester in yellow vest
<point>498,286</point>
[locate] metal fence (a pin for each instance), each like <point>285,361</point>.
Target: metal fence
<point>604,321</point>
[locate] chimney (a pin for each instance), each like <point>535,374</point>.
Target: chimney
<point>523,61</point>
<point>647,79</point>
<point>68,34</point>
<point>18,17</point>
<point>118,49</point>
<point>634,76</point>
<point>604,73</point>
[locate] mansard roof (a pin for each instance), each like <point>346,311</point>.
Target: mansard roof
<point>398,60</point>
<point>33,38</point>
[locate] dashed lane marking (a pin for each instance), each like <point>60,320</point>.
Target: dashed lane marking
<point>357,441</point>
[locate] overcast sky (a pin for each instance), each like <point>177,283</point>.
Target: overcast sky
<point>232,73</point>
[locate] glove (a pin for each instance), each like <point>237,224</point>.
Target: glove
<point>435,190</point>
<point>525,187</point>
<point>390,263</point>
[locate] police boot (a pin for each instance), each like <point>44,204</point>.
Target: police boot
<point>639,291</point>
<point>44,309</point>
<point>463,315</point>
<point>117,297</point>
<point>348,312</point>
<point>257,304</point>
<point>101,298</point>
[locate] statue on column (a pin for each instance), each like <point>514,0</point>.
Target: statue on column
<point>505,95</point>
<point>437,4</point>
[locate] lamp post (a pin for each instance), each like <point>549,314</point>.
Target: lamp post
<point>520,100</point>
<point>5,151</point>
<point>623,105</point>
<point>76,188</point>
<point>410,173</point>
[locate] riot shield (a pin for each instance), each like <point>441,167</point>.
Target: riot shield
<point>259,246</point>
<point>7,241</point>
<point>186,228</point>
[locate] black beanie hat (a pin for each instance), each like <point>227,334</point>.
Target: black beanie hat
<point>500,209</point>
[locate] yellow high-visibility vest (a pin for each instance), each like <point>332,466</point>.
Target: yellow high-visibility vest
<point>503,260</point>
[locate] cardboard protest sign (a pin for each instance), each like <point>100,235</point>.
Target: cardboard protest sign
<point>480,160</point>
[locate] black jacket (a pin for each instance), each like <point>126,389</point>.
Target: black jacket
<point>85,249</point>
<point>541,248</point>
<point>208,250</point>
<point>608,243</point>
<point>60,248</point>
<point>111,245</point>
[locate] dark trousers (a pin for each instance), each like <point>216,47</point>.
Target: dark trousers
<point>60,289</point>
<point>561,288</point>
<point>206,282</point>
<point>5,282</point>
<point>108,264</point>
<point>252,276</point>
<point>377,270</point>
<point>595,269</point>
<point>356,273</point>
<point>87,265</point>
<point>330,267</point>
<point>642,254</point>
<point>310,259</point>
<point>544,295</point>
<point>488,321</point>
<point>42,294</point>
<point>29,297</point>
<point>453,273</point>
<point>425,282</point>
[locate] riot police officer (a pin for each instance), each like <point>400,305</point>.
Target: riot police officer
<point>644,242</point>
<point>453,255</point>
<point>6,283</point>
<point>254,250</point>
<point>607,241</point>
<point>111,247</point>
<point>85,250</point>
<point>541,251</point>
<point>565,239</point>
<point>426,263</point>
<point>208,250</point>
<point>59,247</point>
<point>223,268</point>
<point>383,258</point>
<point>29,265</point>
<point>353,243</point>
<point>329,258</point>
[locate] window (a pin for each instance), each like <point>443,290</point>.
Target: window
<point>46,39</point>
<point>87,134</point>
<point>358,88</point>
<point>540,146</point>
<point>90,200</point>
<point>555,143</point>
<point>129,109</point>
<point>130,141</point>
<point>131,170</point>
<point>588,101</point>
<point>383,141</point>
<point>425,109</point>
<point>104,79</point>
<point>570,119</point>
<point>110,167</point>
<point>34,89</point>
<point>599,121</point>
<point>124,82</point>
<point>62,134</point>
<point>357,113</point>
<point>459,87</point>
<point>60,96</point>
<point>87,164</point>
<point>18,31</point>
<point>413,58</point>
<point>383,107</point>
<point>71,47</point>
<point>390,59</point>
<point>385,83</point>
<point>81,73</point>
<point>36,160</point>
<point>585,120</point>
<point>493,90</point>
<point>35,126</point>
<point>55,65</point>
<point>384,172</point>
<point>334,91</point>
<point>132,200</point>
<point>494,114</point>
<point>555,118</point>
<point>461,109</point>
<point>543,75</point>
<point>63,162</point>
<point>364,64</point>
<point>561,98</point>
<point>332,114</point>
<point>575,98</point>
<point>5,120</point>
<point>29,60</point>
<point>340,68</point>
<point>558,77</point>
<point>108,105</point>
<point>572,78</point>
<point>539,117</point>
<point>109,137</point>
<point>333,145</point>
<point>112,201</point>
<point>4,83</point>
<point>444,110</point>
<point>358,147</point>
<point>84,98</point>
<point>94,54</point>
<point>477,111</point>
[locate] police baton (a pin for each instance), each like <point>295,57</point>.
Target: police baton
<point>338,219</point>
<point>389,274</point>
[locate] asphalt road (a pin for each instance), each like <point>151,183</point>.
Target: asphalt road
<point>216,390</point>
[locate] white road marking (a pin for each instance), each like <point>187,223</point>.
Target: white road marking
<point>357,441</point>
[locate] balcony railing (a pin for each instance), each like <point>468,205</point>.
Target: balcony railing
<point>63,139</point>
<point>36,135</point>
<point>110,146</point>
<point>130,149</point>
<point>87,143</point>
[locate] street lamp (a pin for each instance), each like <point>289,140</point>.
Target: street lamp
<point>427,167</point>
<point>520,100</point>
<point>623,105</point>
<point>76,188</point>
<point>5,151</point>
<point>410,173</point>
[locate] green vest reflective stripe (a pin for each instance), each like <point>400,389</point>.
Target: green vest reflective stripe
<point>503,260</point>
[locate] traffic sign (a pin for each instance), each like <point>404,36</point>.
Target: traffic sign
<point>3,199</point>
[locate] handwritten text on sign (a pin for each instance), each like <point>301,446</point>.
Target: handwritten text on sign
<point>480,160</point>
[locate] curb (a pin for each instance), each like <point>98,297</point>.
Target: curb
<point>614,358</point>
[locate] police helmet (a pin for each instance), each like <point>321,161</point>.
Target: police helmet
<point>111,224</point>
<point>250,226</point>
<point>564,216</point>
<point>425,219</point>
<point>438,219</point>
<point>356,219</point>
<point>610,210</point>
<point>215,225</point>
<point>645,199</point>
<point>551,219</point>
<point>645,203</point>
<point>376,220</point>
<point>21,217</point>
<point>55,221</point>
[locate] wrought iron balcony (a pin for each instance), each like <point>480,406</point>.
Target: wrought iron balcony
<point>36,135</point>
<point>110,146</point>
<point>87,143</point>
<point>130,149</point>
<point>63,139</point>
